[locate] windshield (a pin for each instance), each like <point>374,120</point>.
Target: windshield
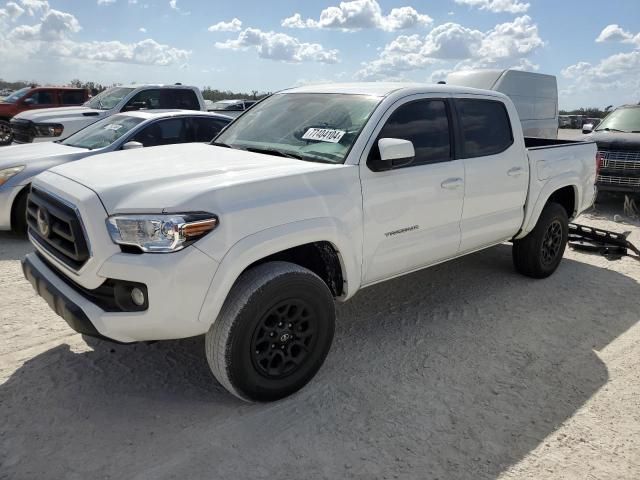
<point>312,126</point>
<point>17,95</point>
<point>622,120</point>
<point>103,133</point>
<point>226,106</point>
<point>109,98</point>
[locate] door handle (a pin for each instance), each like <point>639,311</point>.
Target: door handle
<point>515,172</point>
<point>452,183</point>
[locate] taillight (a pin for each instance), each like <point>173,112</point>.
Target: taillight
<point>599,162</point>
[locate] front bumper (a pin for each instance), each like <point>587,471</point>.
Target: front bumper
<point>7,197</point>
<point>176,283</point>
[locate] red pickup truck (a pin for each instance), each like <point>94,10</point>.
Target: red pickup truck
<point>30,98</point>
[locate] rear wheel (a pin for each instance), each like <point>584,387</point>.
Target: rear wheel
<point>273,333</point>
<point>539,253</point>
<point>6,137</point>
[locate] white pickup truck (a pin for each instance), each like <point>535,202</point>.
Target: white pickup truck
<point>310,196</point>
<point>47,124</point>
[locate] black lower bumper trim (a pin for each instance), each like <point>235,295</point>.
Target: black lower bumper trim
<point>59,302</point>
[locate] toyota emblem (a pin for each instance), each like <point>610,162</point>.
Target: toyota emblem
<point>42,217</point>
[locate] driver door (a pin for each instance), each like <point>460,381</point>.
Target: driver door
<point>412,213</point>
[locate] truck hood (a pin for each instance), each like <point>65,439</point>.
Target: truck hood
<point>163,179</point>
<point>615,140</point>
<point>60,114</point>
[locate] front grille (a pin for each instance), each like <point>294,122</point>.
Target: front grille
<point>622,181</point>
<point>22,130</point>
<point>620,160</point>
<point>56,227</point>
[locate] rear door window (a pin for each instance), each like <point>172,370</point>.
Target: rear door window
<point>179,98</point>
<point>163,132</point>
<point>73,97</point>
<point>206,129</point>
<point>485,125</point>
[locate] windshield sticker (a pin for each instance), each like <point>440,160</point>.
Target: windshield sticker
<point>113,127</point>
<point>323,135</point>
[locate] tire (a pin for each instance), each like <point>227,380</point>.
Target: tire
<point>539,253</point>
<point>273,333</point>
<point>6,137</point>
<point>19,213</point>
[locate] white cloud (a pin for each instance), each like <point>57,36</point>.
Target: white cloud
<point>615,33</point>
<point>497,6</point>
<point>53,37</point>
<point>506,45</point>
<point>173,4</point>
<point>106,2</point>
<point>35,7</point>
<point>145,52</point>
<point>142,30</point>
<point>234,25</point>
<point>12,10</point>
<point>55,25</point>
<point>361,14</point>
<point>280,47</point>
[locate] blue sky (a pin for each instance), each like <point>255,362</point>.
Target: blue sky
<point>250,45</point>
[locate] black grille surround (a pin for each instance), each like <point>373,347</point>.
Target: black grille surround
<point>56,227</point>
<point>23,130</point>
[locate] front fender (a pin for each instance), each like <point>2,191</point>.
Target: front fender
<point>276,239</point>
<point>536,205</point>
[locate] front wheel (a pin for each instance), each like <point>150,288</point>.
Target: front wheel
<point>6,137</point>
<point>539,253</point>
<point>273,332</point>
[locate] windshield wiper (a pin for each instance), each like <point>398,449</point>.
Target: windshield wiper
<point>220,144</point>
<point>607,129</point>
<point>273,151</point>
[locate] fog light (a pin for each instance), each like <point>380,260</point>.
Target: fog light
<point>137,296</point>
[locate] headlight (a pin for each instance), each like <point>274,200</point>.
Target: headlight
<point>7,173</point>
<point>49,129</point>
<point>160,233</point>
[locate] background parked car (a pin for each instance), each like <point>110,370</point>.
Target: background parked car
<point>32,98</point>
<point>618,140</point>
<point>20,163</point>
<point>232,108</point>
<point>58,124</point>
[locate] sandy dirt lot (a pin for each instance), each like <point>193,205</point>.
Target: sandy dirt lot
<point>463,371</point>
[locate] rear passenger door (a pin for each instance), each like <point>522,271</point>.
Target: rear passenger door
<point>41,99</point>
<point>71,97</point>
<point>412,213</point>
<point>496,172</point>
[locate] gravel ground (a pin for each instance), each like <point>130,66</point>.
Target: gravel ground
<point>463,371</point>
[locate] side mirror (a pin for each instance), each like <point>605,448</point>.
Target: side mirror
<point>396,152</point>
<point>132,145</point>
<point>587,128</point>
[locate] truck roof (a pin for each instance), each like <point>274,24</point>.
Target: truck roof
<point>383,89</point>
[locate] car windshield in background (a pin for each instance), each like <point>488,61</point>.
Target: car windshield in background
<point>109,98</point>
<point>17,95</point>
<point>103,133</point>
<point>226,106</point>
<point>310,126</point>
<point>622,120</point>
